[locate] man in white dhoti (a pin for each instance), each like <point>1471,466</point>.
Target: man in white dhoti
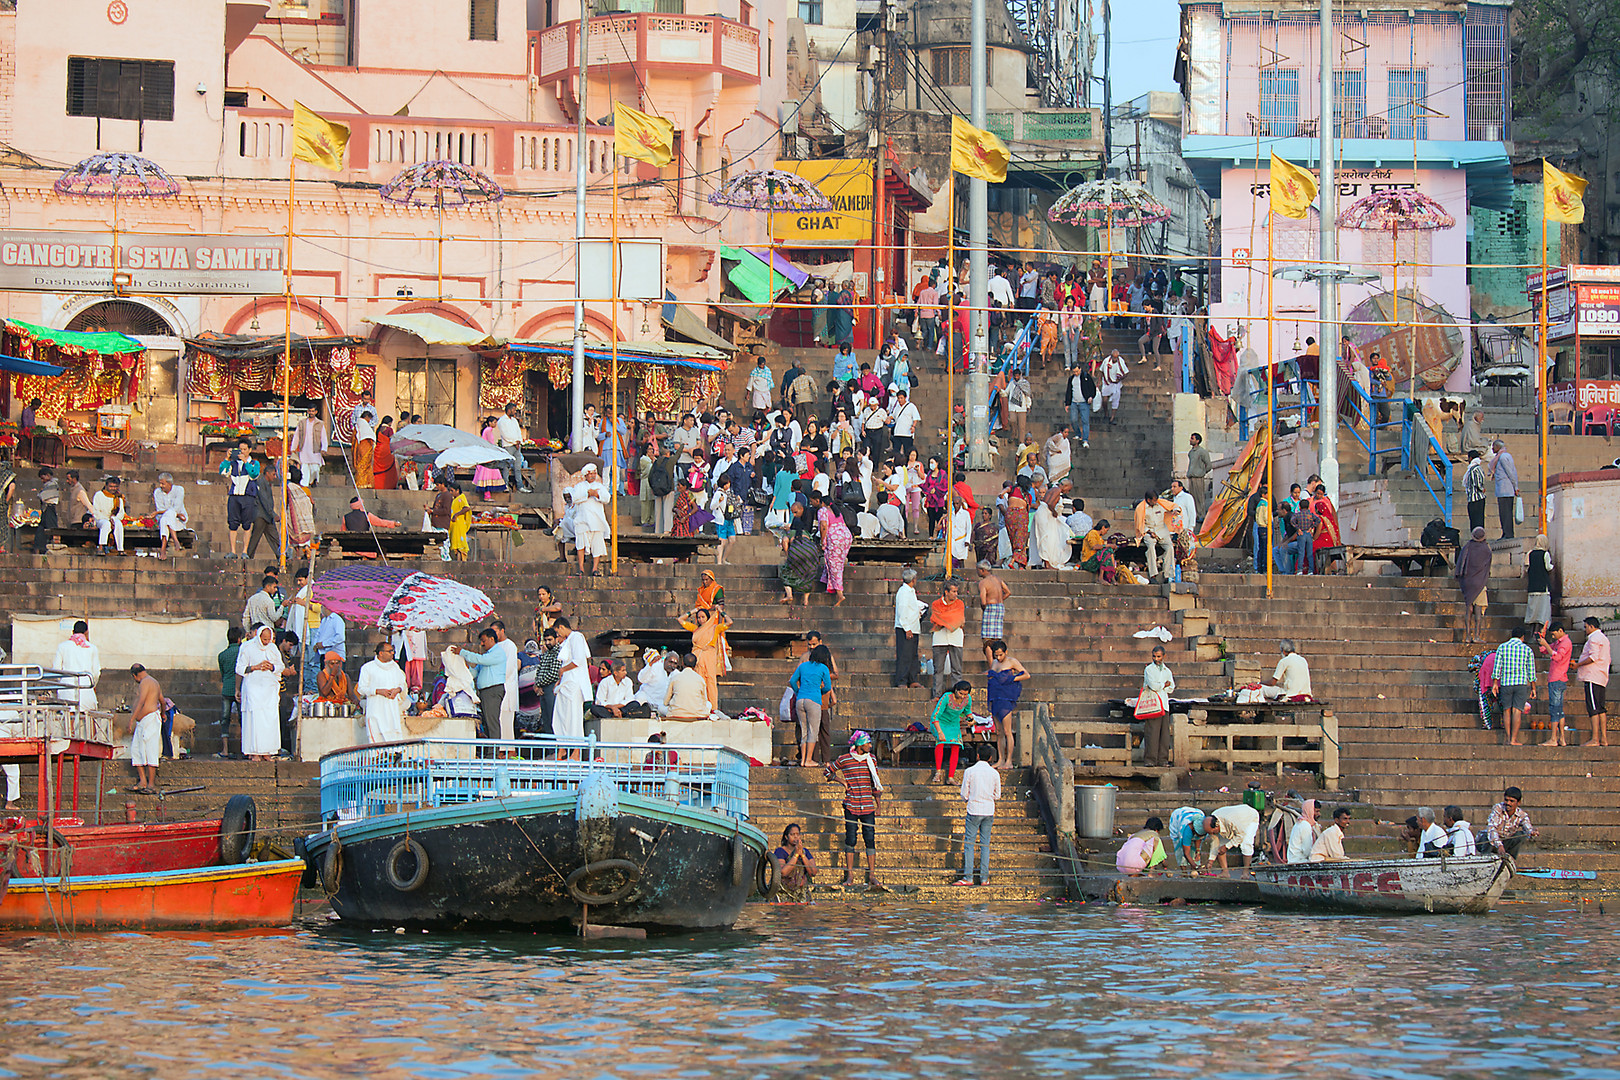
<point>169,502</point>
<point>573,682</point>
<point>79,657</point>
<point>510,700</point>
<point>310,445</point>
<point>107,511</point>
<point>382,688</point>
<point>259,666</point>
<point>590,517</point>
<point>146,740</point>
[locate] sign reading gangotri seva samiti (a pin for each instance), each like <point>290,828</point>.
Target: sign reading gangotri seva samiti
<point>147,263</point>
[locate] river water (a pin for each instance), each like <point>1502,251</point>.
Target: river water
<point>818,991</point>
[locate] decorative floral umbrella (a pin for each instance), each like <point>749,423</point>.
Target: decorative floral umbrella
<point>773,191</point>
<point>393,599</point>
<point>440,184</point>
<point>1394,211</point>
<point>1106,203</point>
<point>116,176</point>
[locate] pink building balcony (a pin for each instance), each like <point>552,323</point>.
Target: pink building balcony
<point>260,143</point>
<point>655,43</point>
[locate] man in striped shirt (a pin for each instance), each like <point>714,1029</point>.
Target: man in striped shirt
<point>1514,679</point>
<point>857,771</point>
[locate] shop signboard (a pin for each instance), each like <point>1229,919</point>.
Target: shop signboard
<point>80,262</point>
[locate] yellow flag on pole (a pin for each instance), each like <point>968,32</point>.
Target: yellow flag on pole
<point>642,136</point>
<point>1292,189</point>
<point>318,140</point>
<point>977,153</point>
<point>1562,194</point>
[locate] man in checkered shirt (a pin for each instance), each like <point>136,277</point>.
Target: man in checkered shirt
<point>1514,679</point>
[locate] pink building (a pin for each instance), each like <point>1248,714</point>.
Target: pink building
<point>1421,103</point>
<point>205,89</point>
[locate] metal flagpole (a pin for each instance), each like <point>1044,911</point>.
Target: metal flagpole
<point>613,268</point>
<point>1327,335</point>
<point>286,356</point>
<point>950,372</point>
<point>1271,408</point>
<point>1541,373</point>
<point>576,390</point>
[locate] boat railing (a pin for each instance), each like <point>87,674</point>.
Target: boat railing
<point>30,707</point>
<point>418,774</point>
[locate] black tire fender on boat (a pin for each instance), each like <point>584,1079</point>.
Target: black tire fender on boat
<point>769,878</point>
<point>738,849</point>
<point>391,865</point>
<point>630,870</point>
<point>332,866</point>
<point>237,829</point>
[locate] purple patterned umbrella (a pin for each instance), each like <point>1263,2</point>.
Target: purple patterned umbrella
<point>117,176</point>
<point>393,599</point>
<point>439,184</point>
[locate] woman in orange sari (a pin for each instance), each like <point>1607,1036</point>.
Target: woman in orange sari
<point>384,469</point>
<point>1018,525</point>
<point>1327,534</point>
<point>708,641</point>
<point>712,597</point>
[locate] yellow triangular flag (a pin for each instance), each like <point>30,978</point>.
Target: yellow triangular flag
<point>317,140</point>
<point>1561,194</point>
<point>642,136</point>
<point>1292,189</point>
<point>977,153</point>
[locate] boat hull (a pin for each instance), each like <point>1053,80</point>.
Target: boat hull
<point>1469,885</point>
<point>508,862</point>
<point>206,898</point>
<point>121,848</point>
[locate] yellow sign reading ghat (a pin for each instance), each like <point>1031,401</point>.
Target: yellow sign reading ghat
<point>848,186</point>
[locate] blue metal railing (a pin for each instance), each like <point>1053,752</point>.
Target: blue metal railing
<point>1364,410</point>
<point>418,774</point>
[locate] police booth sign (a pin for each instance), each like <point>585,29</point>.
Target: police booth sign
<point>147,263</point>
<point>848,186</point>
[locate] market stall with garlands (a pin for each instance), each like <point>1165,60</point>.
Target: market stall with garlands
<point>224,367</point>
<point>98,368</point>
<point>668,373</point>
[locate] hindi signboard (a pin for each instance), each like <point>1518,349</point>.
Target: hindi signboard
<point>147,263</point>
<point>1599,310</point>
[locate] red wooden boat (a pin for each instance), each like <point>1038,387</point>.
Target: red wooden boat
<point>211,898</point>
<point>58,871</point>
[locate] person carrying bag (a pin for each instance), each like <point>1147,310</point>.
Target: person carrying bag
<point>1153,709</point>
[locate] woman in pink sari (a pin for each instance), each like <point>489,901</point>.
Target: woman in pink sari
<point>835,545</point>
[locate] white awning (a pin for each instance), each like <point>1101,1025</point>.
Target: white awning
<point>437,330</point>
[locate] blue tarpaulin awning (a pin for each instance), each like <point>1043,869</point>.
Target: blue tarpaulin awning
<point>22,366</point>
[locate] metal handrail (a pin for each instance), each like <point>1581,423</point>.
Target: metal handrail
<point>1437,460</point>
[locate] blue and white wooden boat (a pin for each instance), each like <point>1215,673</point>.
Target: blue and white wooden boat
<point>465,833</point>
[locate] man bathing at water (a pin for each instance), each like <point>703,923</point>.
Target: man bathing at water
<point>146,741</point>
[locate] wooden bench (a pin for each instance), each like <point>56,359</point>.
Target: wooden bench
<point>1266,744</point>
<point>889,743</point>
<point>646,548</point>
<point>890,551</point>
<point>79,536</point>
<point>404,542</point>
<point>1414,560</point>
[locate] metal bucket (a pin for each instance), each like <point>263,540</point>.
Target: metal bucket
<point>1095,809</point>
